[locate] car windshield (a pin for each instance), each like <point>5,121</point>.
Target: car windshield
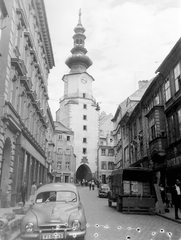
<point>56,196</point>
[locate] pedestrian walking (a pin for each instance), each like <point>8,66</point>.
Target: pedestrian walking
<point>33,191</point>
<point>92,184</point>
<point>23,193</point>
<point>176,197</point>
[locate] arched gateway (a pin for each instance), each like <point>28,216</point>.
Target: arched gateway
<point>83,172</point>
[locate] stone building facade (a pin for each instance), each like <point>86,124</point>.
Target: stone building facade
<point>77,109</point>
<point>105,154</point>
<point>65,160</point>
<point>153,126</point>
<point>25,62</point>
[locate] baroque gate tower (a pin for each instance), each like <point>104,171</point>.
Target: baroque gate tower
<point>78,107</point>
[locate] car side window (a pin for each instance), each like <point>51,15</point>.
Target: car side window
<point>66,196</point>
<point>46,197</point>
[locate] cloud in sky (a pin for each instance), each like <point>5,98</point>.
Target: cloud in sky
<point>126,40</point>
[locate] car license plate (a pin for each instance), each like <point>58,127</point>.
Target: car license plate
<point>52,236</point>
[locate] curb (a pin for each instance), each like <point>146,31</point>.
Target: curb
<point>163,216</point>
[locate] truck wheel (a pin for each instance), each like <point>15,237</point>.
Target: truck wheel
<point>118,206</point>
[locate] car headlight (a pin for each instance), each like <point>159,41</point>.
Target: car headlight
<point>3,223</point>
<point>29,227</point>
<point>75,225</point>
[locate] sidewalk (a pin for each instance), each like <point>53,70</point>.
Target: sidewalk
<point>170,215</point>
<point>11,218</point>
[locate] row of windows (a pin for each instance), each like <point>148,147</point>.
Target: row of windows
<point>61,137</point>
<point>59,165</point>
<point>67,151</point>
<point>105,166</point>
<point>110,152</point>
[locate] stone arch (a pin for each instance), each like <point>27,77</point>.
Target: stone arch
<point>83,172</point>
<point>5,171</point>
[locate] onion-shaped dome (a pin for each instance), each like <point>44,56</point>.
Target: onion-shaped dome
<point>78,59</point>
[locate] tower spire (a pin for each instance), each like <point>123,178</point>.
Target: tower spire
<point>80,13</point>
<point>79,62</point>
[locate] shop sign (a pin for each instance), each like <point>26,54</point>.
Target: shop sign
<point>174,162</point>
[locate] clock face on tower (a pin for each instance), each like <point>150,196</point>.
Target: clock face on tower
<point>84,80</point>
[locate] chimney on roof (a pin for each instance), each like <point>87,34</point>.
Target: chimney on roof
<point>141,83</point>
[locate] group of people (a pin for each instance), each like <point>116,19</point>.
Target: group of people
<point>91,185</point>
<point>23,191</point>
<point>172,197</point>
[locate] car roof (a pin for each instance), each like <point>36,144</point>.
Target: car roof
<point>57,187</point>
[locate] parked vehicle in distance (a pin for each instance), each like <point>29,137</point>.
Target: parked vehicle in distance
<point>103,190</point>
<point>56,213</point>
<point>132,189</point>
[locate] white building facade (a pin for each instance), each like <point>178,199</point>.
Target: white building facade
<point>78,107</point>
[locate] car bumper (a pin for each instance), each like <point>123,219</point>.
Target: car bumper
<point>103,194</point>
<point>67,235</point>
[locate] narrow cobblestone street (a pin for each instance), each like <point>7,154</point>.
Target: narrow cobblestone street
<point>105,223</point>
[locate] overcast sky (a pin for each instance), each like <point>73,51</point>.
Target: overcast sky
<point>126,40</point>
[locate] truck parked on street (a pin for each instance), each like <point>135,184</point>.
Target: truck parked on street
<point>132,189</point>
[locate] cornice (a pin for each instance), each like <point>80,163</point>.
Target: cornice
<point>42,20</point>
